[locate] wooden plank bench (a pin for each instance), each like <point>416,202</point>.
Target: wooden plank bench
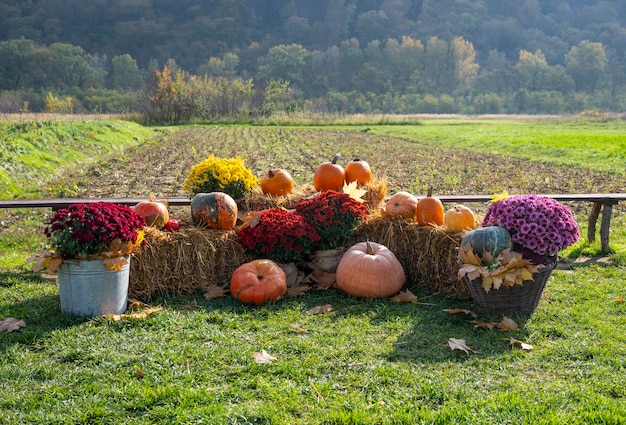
<point>602,202</point>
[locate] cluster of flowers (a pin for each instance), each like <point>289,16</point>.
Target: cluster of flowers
<point>221,175</point>
<point>322,222</point>
<point>85,230</point>
<point>334,215</point>
<point>537,223</point>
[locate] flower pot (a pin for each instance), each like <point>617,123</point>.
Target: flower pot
<point>87,288</point>
<point>516,300</point>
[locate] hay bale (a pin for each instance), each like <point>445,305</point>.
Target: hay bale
<point>184,262</point>
<point>428,254</point>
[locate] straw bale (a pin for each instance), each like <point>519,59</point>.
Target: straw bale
<point>427,254</point>
<point>184,262</point>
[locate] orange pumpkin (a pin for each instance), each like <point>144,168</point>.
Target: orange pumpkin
<point>155,213</point>
<point>459,218</point>
<point>258,281</point>
<point>430,210</point>
<point>215,210</point>
<point>403,204</point>
<point>358,171</point>
<point>329,176</point>
<point>370,270</point>
<point>276,183</point>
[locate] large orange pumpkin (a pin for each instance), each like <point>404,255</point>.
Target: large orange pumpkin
<point>430,210</point>
<point>155,213</point>
<point>370,270</point>
<point>329,176</point>
<point>215,210</point>
<point>358,171</point>
<point>458,218</point>
<point>277,182</point>
<point>258,281</point>
<point>401,204</point>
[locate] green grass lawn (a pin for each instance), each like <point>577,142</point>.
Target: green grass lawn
<point>366,362</point>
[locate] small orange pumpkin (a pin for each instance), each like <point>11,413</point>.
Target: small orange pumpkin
<point>155,213</point>
<point>403,204</point>
<point>329,175</point>
<point>430,210</point>
<point>277,182</point>
<point>370,270</point>
<point>258,281</point>
<point>215,210</point>
<point>358,171</point>
<point>458,218</point>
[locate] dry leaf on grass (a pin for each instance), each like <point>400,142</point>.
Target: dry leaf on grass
<point>459,344</point>
<point>134,316</point>
<point>297,290</point>
<point>405,297</point>
<point>619,299</point>
<point>520,344</point>
<point>263,357</point>
<point>460,311</point>
<point>321,309</point>
<point>215,291</point>
<point>11,324</point>
<point>295,328</point>
<point>507,324</point>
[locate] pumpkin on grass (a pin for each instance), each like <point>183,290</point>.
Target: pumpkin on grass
<point>277,183</point>
<point>491,239</point>
<point>370,270</point>
<point>401,204</point>
<point>155,213</point>
<point>459,218</point>
<point>430,210</point>
<point>215,210</point>
<point>358,171</point>
<point>329,176</point>
<point>258,281</point>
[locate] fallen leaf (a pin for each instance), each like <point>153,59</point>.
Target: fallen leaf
<point>11,324</point>
<point>252,219</point>
<point>321,309</point>
<point>297,290</point>
<point>405,297</point>
<point>619,299</point>
<point>139,371</point>
<point>323,280</point>
<point>521,344</point>
<point>134,316</point>
<point>263,357</point>
<point>459,344</point>
<point>507,324</point>
<point>483,325</point>
<point>215,291</point>
<point>135,304</point>
<point>460,310</point>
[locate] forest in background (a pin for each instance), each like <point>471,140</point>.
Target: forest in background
<point>238,58</point>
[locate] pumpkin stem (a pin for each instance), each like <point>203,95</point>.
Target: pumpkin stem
<point>369,248</point>
<point>430,192</point>
<point>335,158</point>
<point>271,173</point>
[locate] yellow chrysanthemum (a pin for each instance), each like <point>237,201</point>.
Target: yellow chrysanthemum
<point>221,175</point>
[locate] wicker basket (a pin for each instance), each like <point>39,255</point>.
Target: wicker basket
<point>516,300</point>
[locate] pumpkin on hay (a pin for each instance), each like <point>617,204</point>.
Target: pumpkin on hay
<point>258,281</point>
<point>215,210</point>
<point>491,239</point>
<point>155,213</point>
<point>459,218</point>
<point>277,182</point>
<point>430,210</point>
<point>401,204</point>
<point>358,171</point>
<point>329,175</point>
<point>370,270</point>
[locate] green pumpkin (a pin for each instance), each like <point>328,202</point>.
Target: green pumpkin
<point>492,239</point>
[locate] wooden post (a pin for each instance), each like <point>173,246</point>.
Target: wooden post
<point>605,226</point>
<point>593,219</point>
